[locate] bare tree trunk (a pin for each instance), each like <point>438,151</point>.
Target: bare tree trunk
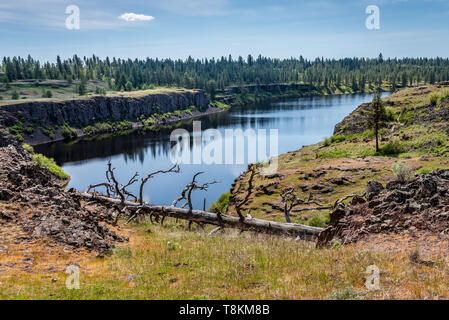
<point>224,221</point>
<point>377,138</point>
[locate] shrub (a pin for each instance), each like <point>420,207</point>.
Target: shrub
<point>433,99</point>
<point>222,203</point>
<point>19,137</point>
<point>401,170</point>
<point>48,132</point>
<point>16,129</point>
<point>318,220</point>
<point>47,94</point>
<point>27,147</point>
<point>334,139</point>
<point>393,147</point>
<point>68,132</point>
<point>51,165</point>
<point>99,90</point>
<point>15,95</point>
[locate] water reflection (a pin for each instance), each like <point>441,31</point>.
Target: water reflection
<point>299,121</point>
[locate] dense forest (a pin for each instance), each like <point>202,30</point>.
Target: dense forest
<point>216,74</point>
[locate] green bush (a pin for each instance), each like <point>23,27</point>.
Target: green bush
<point>68,132</point>
<point>48,132</point>
<point>99,90</point>
<point>433,99</point>
<point>19,137</point>
<point>51,165</point>
<point>318,220</point>
<point>47,94</point>
<point>401,170</point>
<point>16,129</point>
<point>221,204</point>
<point>336,138</point>
<point>27,147</point>
<point>393,147</point>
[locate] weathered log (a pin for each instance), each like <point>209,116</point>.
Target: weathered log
<point>224,221</point>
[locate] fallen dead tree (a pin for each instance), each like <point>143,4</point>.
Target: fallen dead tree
<point>125,203</point>
<point>221,220</point>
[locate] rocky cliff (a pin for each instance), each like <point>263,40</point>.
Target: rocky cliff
<point>96,109</point>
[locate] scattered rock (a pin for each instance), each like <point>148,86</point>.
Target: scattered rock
<point>373,188</point>
<point>341,181</point>
<point>268,188</point>
<point>323,188</point>
<point>418,205</point>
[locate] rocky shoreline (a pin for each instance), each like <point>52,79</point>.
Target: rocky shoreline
<point>39,138</point>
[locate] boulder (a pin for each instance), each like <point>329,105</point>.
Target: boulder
<point>373,188</point>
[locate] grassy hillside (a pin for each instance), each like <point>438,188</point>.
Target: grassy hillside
<point>416,134</point>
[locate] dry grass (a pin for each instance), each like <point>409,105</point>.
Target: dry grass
<point>172,263</point>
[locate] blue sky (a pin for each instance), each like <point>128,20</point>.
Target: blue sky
<point>212,28</point>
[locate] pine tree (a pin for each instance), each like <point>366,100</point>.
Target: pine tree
<point>376,116</point>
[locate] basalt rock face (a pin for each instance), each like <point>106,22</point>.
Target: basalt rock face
<point>101,108</point>
<point>421,204</point>
<point>31,200</point>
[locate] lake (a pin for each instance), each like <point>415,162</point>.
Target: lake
<point>300,122</point>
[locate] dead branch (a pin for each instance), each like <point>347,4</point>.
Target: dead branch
<point>186,193</point>
<point>340,201</point>
<point>239,204</point>
<point>174,169</point>
<point>290,201</point>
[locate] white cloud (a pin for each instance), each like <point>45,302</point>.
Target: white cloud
<point>135,17</point>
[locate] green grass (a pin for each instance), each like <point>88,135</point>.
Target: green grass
<point>51,165</point>
<point>111,126</point>
<point>221,105</point>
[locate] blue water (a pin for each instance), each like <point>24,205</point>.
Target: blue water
<point>299,122</point>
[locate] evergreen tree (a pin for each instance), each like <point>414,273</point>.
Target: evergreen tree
<point>376,116</point>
